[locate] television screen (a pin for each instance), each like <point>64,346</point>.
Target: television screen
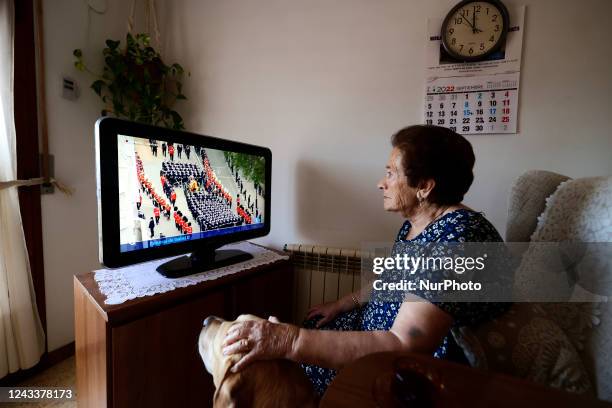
<point>174,192</point>
<point>164,192</point>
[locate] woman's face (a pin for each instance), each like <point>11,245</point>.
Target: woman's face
<point>398,196</point>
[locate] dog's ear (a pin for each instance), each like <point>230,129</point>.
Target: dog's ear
<point>234,392</point>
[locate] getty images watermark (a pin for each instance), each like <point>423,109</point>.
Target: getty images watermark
<point>420,264</point>
<point>487,272</point>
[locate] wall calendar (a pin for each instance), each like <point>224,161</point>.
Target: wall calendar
<point>475,97</point>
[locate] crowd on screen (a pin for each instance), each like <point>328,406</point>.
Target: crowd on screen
<point>207,200</point>
<point>211,211</point>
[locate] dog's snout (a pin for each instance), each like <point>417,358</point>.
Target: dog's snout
<point>208,320</point>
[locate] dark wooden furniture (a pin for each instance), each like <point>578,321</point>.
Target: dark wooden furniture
<point>143,353</point>
<point>366,383</point>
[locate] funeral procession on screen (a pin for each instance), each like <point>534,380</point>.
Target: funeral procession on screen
<point>170,192</point>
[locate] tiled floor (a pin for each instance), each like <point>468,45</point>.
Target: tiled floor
<point>60,375</point>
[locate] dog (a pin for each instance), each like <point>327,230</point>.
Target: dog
<point>264,383</point>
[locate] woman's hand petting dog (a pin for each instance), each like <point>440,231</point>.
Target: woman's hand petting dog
<point>259,340</point>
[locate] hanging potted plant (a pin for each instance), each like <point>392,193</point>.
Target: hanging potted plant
<point>136,84</point>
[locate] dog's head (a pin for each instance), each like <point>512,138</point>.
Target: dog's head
<point>210,346</point>
<point>239,389</point>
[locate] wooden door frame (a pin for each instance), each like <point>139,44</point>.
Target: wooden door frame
<point>26,127</point>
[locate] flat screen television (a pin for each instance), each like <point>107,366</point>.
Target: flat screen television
<point>163,192</point>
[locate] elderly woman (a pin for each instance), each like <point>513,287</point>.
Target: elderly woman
<point>427,175</point>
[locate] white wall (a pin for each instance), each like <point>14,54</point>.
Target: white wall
<point>324,84</point>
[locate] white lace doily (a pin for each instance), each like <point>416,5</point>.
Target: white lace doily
<point>122,284</point>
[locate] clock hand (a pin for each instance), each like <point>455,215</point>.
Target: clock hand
<point>475,30</point>
<point>466,20</point>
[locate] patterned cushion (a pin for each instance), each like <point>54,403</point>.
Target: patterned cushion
<point>527,343</point>
<point>527,201</point>
<point>581,210</point>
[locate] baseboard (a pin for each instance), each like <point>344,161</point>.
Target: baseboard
<point>47,360</point>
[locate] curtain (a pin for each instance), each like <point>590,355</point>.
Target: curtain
<point>22,340</point>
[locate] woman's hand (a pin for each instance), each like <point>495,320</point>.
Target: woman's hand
<point>259,340</point>
<point>328,311</point>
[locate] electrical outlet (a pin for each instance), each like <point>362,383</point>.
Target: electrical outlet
<point>70,89</point>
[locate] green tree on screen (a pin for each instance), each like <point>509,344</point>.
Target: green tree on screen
<point>251,167</point>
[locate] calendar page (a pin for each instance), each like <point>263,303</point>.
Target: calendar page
<point>473,105</point>
<point>477,97</point>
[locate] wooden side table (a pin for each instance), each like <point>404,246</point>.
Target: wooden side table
<point>360,384</point>
<point>143,353</point>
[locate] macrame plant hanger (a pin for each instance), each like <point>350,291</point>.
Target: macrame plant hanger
<point>150,16</point>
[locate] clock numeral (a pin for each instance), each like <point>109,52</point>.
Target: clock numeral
<point>494,18</point>
<point>458,20</point>
<point>451,31</point>
<point>487,11</point>
<point>471,50</point>
<point>478,9</point>
<point>482,47</point>
<point>492,39</point>
<point>460,47</point>
<point>453,41</point>
<point>496,28</point>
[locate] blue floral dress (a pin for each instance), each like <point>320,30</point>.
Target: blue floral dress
<point>457,226</point>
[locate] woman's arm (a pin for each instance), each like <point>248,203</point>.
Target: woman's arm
<point>419,327</point>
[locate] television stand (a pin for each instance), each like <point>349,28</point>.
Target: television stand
<point>144,352</point>
<point>202,260</point>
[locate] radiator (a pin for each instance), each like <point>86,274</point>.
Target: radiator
<point>322,274</point>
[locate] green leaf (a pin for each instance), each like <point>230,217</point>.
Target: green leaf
<point>79,65</point>
<point>97,86</point>
<point>112,45</point>
<point>178,68</point>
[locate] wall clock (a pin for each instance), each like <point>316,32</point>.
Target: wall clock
<point>473,30</point>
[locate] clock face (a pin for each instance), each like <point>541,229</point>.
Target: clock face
<point>474,29</point>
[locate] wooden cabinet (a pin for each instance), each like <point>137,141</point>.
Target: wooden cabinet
<point>143,353</point>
